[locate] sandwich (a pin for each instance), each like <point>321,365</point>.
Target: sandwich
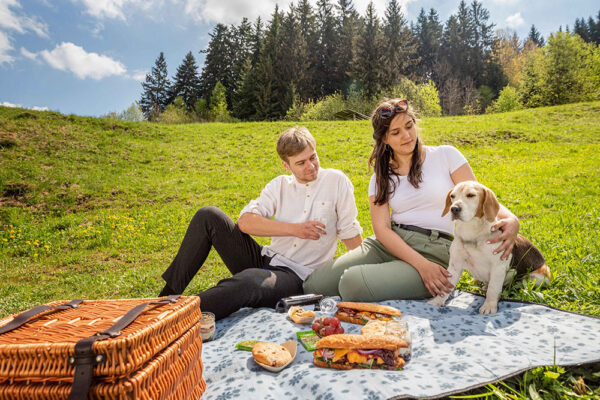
<point>360,351</point>
<point>361,313</point>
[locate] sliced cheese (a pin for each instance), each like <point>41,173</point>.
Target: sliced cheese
<point>354,357</point>
<point>339,353</point>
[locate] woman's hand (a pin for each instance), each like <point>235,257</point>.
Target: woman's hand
<point>435,278</point>
<point>509,228</point>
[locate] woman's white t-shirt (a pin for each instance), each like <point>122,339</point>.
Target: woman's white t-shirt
<point>423,207</point>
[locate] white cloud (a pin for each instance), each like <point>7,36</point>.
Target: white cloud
<point>515,20</point>
<point>35,108</point>
<point>21,24</point>
<point>115,9</point>
<point>232,11</point>
<point>26,53</point>
<point>73,58</point>
<point>139,75</point>
<point>5,49</point>
<point>7,104</point>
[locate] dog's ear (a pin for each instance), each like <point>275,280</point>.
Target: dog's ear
<point>448,203</point>
<point>491,206</point>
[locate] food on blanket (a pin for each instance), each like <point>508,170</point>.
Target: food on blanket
<point>246,345</point>
<point>308,339</point>
<point>271,354</point>
<point>361,313</point>
<point>301,316</point>
<point>207,326</point>
<point>325,326</point>
<point>395,328</point>
<point>360,351</point>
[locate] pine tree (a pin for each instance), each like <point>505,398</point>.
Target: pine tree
<point>346,22</point>
<point>535,37</point>
<point>399,46</point>
<point>295,63</point>
<point>482,69</point>
<point>368,55</point>
<point>186,83</point>
<point>327,34</point>
<point>308,87</point>
<point>273,92</point>
<point>241,50</point>
<point>581,28</point>
<point>219,63</point>
<point>428,32</point>
<point>156,89</point>
<point>244,99</point>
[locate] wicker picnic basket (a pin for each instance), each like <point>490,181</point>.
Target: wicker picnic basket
<point>104,349</point>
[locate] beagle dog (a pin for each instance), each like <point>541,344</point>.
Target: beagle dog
<point>474,207</point>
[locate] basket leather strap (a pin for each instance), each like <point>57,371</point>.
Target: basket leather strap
<point>84,358</point>
<point>26,316</point>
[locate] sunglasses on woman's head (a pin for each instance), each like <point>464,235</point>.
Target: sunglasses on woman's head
<point>393,109</point>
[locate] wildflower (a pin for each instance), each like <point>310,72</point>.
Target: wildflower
<point>46,246</point>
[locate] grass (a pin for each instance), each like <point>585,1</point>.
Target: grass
<point>95,208</point>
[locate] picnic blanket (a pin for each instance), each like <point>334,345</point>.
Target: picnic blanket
<point>454,349</point>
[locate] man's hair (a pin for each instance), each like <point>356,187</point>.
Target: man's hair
<point>293,141</point>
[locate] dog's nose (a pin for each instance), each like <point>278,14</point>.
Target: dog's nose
<point>455,209</point>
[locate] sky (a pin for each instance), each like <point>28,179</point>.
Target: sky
<point>89,57</point>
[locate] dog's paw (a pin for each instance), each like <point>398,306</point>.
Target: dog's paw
<point>436,301</point>
<point>489,307</point>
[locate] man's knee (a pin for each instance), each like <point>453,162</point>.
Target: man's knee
<point>353,287</point>
<point>208,213</point>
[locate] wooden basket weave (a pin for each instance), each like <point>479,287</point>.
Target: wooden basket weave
<point>39,351</point>
<point>175,374</point>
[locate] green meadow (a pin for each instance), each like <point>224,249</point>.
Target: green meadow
<point>94,208</point>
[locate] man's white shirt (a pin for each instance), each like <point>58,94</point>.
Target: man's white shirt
<point>328,199</point>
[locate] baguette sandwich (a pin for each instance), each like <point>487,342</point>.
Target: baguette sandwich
<point>361,313</point>
<point>359,351</point>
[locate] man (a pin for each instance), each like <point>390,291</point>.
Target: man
<point>304,213</point>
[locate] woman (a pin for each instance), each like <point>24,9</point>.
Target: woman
<point>408,255</point>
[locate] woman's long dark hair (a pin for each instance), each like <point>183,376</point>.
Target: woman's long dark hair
<point>382,154</point>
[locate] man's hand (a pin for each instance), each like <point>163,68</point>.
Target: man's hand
<point>509,228</point>
<point>310,230</point>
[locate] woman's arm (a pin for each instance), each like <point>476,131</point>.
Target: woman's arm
<point>508,223</point>
<point>434,276</point>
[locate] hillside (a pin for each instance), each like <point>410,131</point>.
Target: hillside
<point>96,208</point>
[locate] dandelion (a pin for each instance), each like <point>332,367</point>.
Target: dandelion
<point>6,240</point>
<point>46,246</point>
<point>28,242</point>
<point>35,255</point>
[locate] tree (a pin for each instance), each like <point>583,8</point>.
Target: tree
<point>368,55</point>
<point>346,26</point>
<point>535,36</point>
<point>155,96</point>
<point>400,47</point>
<point>568,68</point>
<point>132,113</point>
<point>326,50</point>
<point>428,32</point>
<point>273,92</point>
<point>509,54</point>
<point>218,104</point>
<point>244,99</point>
<point>186,83</point>
<point>219,62</point>
<point>308,87</point>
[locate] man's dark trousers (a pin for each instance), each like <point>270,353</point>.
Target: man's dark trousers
<point>254,283</point>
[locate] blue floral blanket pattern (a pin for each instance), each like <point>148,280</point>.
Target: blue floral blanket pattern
<point>454,349</point>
